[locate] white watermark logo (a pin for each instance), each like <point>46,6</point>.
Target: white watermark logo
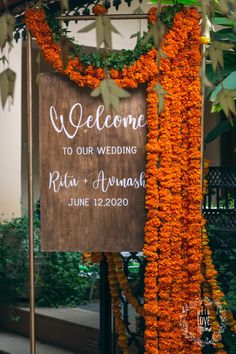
<point>202,311</point>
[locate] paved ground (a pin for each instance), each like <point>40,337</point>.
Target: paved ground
<point>14,344</point>
<point>87,316</point>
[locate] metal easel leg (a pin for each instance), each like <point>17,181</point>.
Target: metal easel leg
<point>105,311</point>
<point>30,193</point>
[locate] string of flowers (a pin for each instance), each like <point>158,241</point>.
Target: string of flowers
<point>151,241</point>
<point>207,292</point>
<point>116,306</point>
<point>210,285</point>
<point>169,181</point>
<point>124,284</point>
<point>191,181</point>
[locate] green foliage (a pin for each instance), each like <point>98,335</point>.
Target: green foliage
<point>7,23</point>
<point>220,129</point>
<point>7,77</point>
<point>181,2</point>
<point>111,94</point>
<point>104,29</point>
<point>60,278</point>
<point>222,55</point>
<point>225,35</point>
<point>61,282</point>
<point>116,60</point>
<point>55,26</point>
<point>223,21</point>
<point>7,85</point>
<point>168,13</point>
<point>224,95</point>
<point>228,83</point>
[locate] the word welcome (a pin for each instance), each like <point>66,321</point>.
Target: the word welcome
<point>76,120</point>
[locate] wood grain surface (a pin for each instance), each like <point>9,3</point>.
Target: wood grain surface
<point>92,227</point>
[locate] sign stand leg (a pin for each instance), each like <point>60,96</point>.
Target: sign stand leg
<point>30,193</point>
<point>105,311</point>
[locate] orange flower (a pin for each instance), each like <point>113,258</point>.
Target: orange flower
<point>204,40</point>
<point>99,10</point>
<point>152,15</point>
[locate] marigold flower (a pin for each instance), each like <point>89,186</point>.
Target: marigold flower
<point>99,10</point>
<point>204,40</point>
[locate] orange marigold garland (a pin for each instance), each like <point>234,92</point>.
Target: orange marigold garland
<point>36,22</point>
<point>124,284</point>
<point>169,181</point>
<point>113,283</point>
<point>152,15</point>
<point>191,184</point>
<point>151,228</point>
<point>211,289</point>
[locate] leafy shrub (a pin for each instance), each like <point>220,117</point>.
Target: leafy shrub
<point>60,277</point>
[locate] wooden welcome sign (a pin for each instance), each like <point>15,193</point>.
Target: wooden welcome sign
<point>92,170</point>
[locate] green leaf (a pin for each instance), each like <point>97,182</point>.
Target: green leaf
<point>115,102</point>
<point>224,21</point>
<point>214,77</point>
<point>147,37</point>
<point>10,27</point>
<point>107,38</point>
<point>189,2</point>
<point>96,92</point>
<point>228,83</point>
<point>184,2</point>
<point>109,25</point>
<point>116,90</point>
<point>105,94</point>
<point>138,11</point>
<point>88,27</point>
<point>220,129</point>
<point>7,84</point>
<point>11,82</point>
<point>226,100</point>
<point>134,35</point>
<point>155,33</point>
<point>160,89</point>
<point>4,59</point>
<point>111,94</point>
<point>38,58</point>
<point>162,54</point>
<point>216,107</point>
<point>161,92</point>
<point>225,35</point>
<point>224,46</point>
<point>4,87</point>
<point>215,52</point>
<point>205,80</point>
<point>3,31</point>
<point>100,33</point>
